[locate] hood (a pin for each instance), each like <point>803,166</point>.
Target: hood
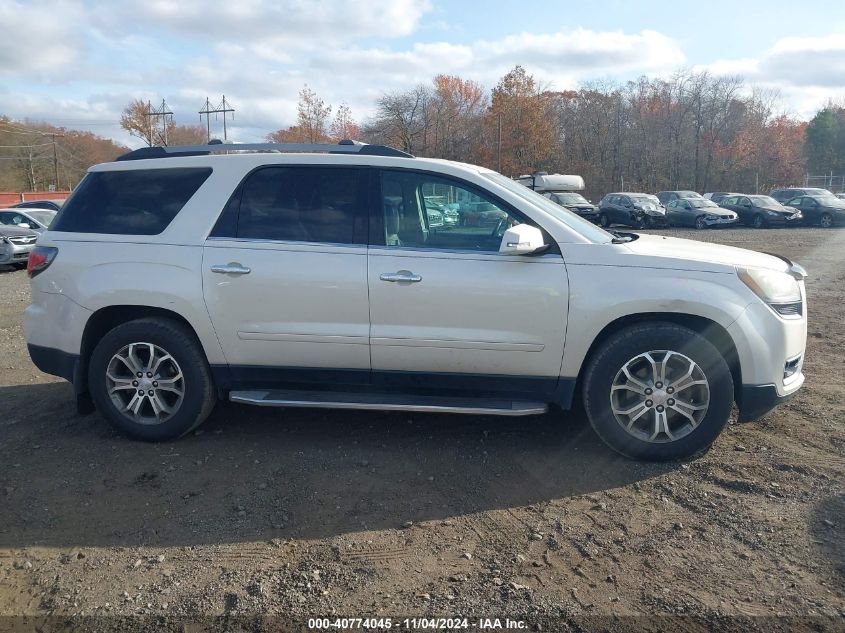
<point>14,231</point>
<point>674,252</point>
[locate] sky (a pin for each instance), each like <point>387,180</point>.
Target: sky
<point>76,63</point>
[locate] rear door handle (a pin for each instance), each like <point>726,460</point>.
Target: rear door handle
<point>402,275</point>
<point>232,268</point>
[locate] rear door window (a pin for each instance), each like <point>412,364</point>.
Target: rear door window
<point>129,202</point>
<point>302,204</point>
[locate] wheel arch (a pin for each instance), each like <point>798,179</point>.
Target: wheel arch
<point>709,329</point>
<point>106,319</point>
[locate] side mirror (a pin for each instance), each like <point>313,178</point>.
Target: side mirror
<point>522,239</point>
<point>24,225</point>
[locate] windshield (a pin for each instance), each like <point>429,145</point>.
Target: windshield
<point>562,214</point>
<point>695,203</point>
<point>570,198</point>
<point>43,217</point>
<point>644,197</point>
<point>830,200</point>
<point>689,194</point>
<point>765,201</point>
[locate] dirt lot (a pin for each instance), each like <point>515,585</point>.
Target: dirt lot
<point>296,513</point>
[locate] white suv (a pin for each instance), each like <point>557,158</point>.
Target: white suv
<point>314,276</point>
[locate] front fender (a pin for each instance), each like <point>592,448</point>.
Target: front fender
<point>600,295</point>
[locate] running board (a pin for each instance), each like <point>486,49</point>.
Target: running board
<point>386,402</point>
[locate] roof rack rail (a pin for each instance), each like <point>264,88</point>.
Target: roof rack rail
<point>345,146</point>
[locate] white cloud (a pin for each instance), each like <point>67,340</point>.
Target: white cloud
<point>807,71</point>
<point>36,37</point>
<point>283,22</point>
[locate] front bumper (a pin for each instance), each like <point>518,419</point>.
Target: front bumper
<point>14,254</point>
<point>755,401</point>
<point>720,222</point>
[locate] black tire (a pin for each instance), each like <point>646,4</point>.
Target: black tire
<point>180,343</point>
<point>758,221</point>
<point>617,351</point>
<point>19,265</point>
<point>700,224</point>
<point>604,220</point>
<point>826,221</point>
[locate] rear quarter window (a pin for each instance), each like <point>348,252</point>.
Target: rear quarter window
<point>129,202</point>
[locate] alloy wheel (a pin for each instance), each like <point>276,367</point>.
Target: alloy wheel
<point>826,220</point>
<point>145,383</point>
<point>660,396</point>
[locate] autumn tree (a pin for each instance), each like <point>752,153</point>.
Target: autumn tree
<point>522,111</point>
<point>344,126</point>
<point>312,116</point>
<point>134,120</point>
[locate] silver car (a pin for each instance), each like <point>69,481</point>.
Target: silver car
<point>36,219</point>
<point>15,245</point>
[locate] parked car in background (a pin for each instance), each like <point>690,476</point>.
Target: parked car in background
<point>15,245</point>
<point>785,195</point>
<point>640,210</point>
<point>55,205</point>
<point>761,211</point>
<point>36,219</point>
<point>451,217</point>
<point>666,197</point>
<point>841,196</point>
<point>698,212</point>
<point>826,211</point>
<point>576,203</point>
<point>717,196</point>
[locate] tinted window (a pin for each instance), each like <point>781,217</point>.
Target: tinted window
<point>300,204</point>
<point>425,211</point>
<point>130,202</point>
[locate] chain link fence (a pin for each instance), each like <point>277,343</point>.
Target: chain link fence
<point>836,184</point>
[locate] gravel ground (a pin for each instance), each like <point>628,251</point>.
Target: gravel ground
<point>264,518</point>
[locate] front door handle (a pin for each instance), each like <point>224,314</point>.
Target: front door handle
<point>402,275</point>
<point>232,268</point>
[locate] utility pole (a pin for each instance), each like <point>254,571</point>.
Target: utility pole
<point>221,108</point>
<point>53,136</point>
<point>499,151</point>
<point>163,113</point>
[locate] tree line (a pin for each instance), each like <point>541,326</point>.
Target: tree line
<point>38,156</point>
<point>691,130</point>
<point>688,131</point>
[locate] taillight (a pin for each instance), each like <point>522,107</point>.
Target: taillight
<point>40,258</point>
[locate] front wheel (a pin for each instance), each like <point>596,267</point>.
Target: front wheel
<point>759,221</point>
<point>150,379</point>
<point>826,220</point>
<point>700,224</point>
<point>658,391</point>
<point>604,220</point>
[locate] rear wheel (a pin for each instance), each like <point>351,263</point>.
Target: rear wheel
<point>700,224</point>
<point>658,391</point>
<point>758,222</point>
<point>826,220</point>
<point>150,378</point>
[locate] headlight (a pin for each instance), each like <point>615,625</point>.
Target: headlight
<point>710,216</point>
<point>779,290</point>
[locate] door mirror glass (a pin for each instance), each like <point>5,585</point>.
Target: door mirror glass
<point>24,225</point>
<point>522,239</point>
